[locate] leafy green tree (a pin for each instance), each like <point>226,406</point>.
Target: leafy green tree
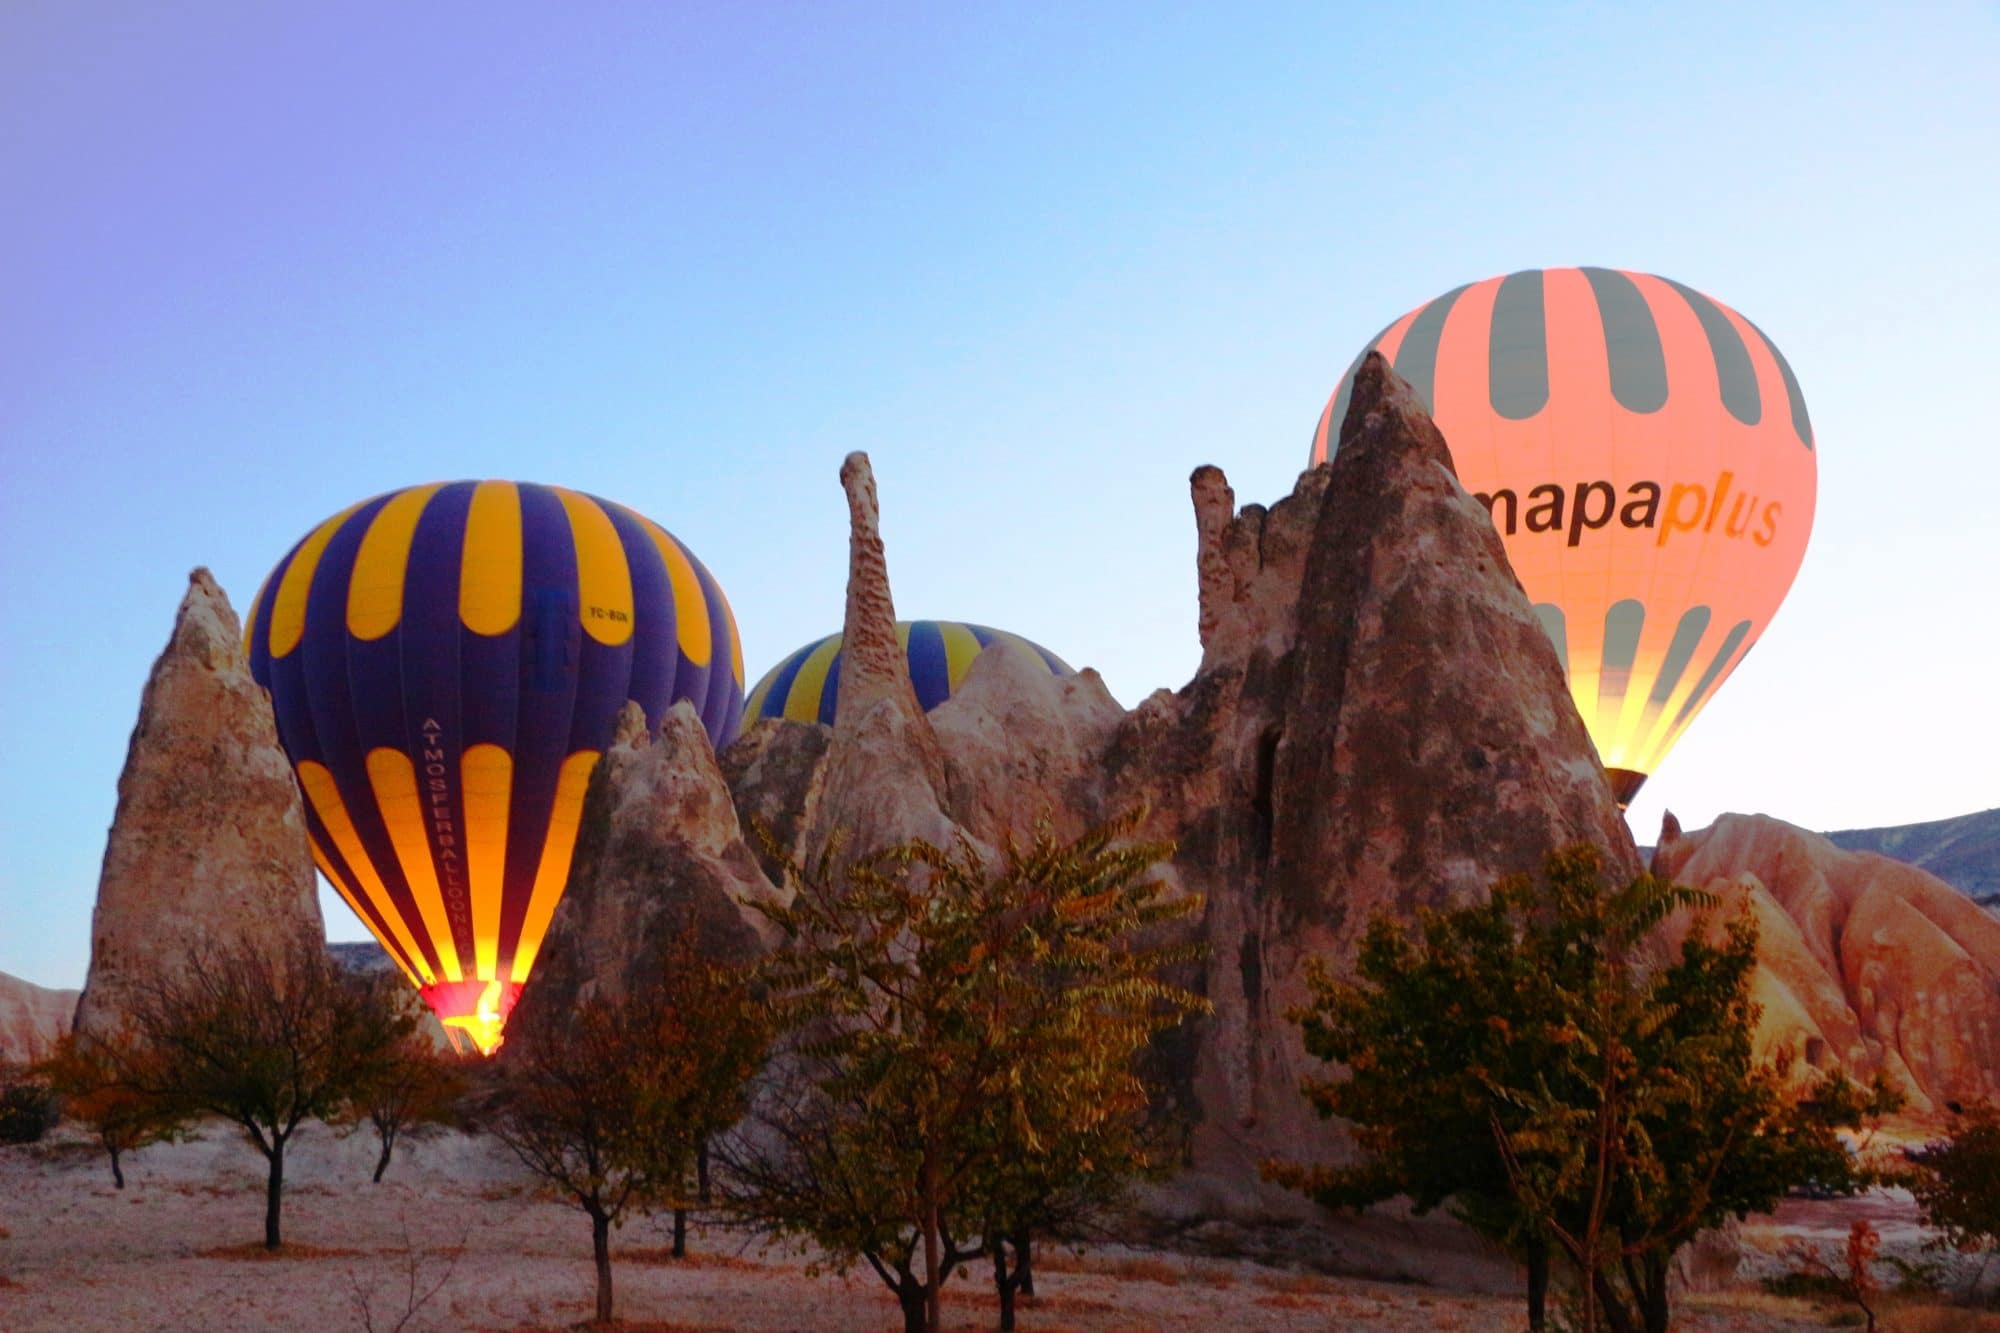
<point>1544,1066</point>
<point>610,1100</point>
<point>265,1036</point>
<point>960,1052</point>
<point>1957,1182</point>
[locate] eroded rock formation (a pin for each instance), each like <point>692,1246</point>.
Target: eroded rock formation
<point>1379,724</point>
<point>209,841</point>
<point>1865,964</point>
<point>660,851</point>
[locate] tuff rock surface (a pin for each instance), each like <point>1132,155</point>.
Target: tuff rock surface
<point>32,1018</point>
<point>1865,964</point>
<point>659,851</point>
<point>209,841</point>
<point>1378,724</point>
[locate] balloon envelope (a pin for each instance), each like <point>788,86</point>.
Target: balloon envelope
<point>446,663</point>
<point>806,685</point>
<point>1646,455</point>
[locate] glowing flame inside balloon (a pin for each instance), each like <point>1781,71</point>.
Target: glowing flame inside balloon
<point>490,1003</point>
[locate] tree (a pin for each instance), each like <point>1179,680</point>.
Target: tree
<point>610,1100</point>
<point>1544,1065</point>
<point>1851,1277</point>
<point>28,1105</point>
<point>101,1085</point>
<point>417,1089</point>
<point>266,1037</point>
<point>959,1051</point>
<point>1957,1182</point>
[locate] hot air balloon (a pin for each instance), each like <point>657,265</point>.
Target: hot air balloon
<point>1646,455</point>
<point>446,663</point>
<point>805,686</point>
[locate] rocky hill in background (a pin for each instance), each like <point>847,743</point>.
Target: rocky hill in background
<point>1963,852</point>
<point>31,1018</point>
<point>1866,965</point>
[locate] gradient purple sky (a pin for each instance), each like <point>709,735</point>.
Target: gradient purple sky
<point>257,261</point>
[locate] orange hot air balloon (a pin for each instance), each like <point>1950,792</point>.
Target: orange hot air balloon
<point>1646,455</point>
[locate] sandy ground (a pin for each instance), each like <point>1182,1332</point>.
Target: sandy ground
<point>177,1249</point>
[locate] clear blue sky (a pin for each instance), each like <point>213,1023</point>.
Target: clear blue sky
<point>257,261</point>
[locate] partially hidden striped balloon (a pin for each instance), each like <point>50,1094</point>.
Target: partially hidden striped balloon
<point>1646,455</point>
<point>446,663</point>
<point>806,685</point>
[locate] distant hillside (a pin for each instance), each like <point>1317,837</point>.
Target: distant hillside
<point>31,1017</point>
<point>1963,852</point>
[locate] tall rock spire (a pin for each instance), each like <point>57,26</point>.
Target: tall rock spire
<point>209,842</point>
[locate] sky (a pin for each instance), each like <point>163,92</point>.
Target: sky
<point>260,261</point>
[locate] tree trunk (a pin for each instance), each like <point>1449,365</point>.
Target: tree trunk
<point>1024,1262</point>
<point>1653,1301</point>
<point>680,1233</point>
<point>915,1300</point>
<point>117,1171</point>
<point>701,1174</point>
<point>1609,1310</point>
<point>388,1146</point>
<point>1003,1287</point>
<point>1538,1285</point>
<point>600,1247</point>
<point>933,1261</point>
<point>274,1193</point>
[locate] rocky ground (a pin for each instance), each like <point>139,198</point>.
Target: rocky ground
<point>176,1250</point>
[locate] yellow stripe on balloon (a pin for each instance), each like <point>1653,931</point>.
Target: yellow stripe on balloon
<point>802,700</point>
<point>288,609</point>
<point>961,646</point>
<point>487,772</point>
<point>250,621</point>
<point>325,864</point>
<point>324,793</point>
<point>375,588</point>
<point>604,580</point>
<point>489,571</point>
<point>735,638</point>
<point>394,779</point>
<point>691,625</point>
<point>558,844</point>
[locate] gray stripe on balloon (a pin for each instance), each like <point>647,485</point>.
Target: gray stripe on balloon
<point>1622,626</point>
<point>1801,423</point>
<point>1714,672</point>
<point>1416,358</point>
<point>1733,374</point>
<point>1680,652</point>
<point>1631,341</point>
<point>1517,349</point>
<point>1556,628</point>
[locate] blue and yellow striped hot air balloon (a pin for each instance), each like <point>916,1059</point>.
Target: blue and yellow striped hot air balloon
<point>806,685</point>
<point>446,663</point>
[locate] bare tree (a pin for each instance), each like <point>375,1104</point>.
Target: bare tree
<point>416,1090</point>
<point>267,1038</point>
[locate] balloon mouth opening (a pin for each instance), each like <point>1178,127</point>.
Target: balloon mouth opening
<point>473,1012</point>
<point>1625,785</point>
